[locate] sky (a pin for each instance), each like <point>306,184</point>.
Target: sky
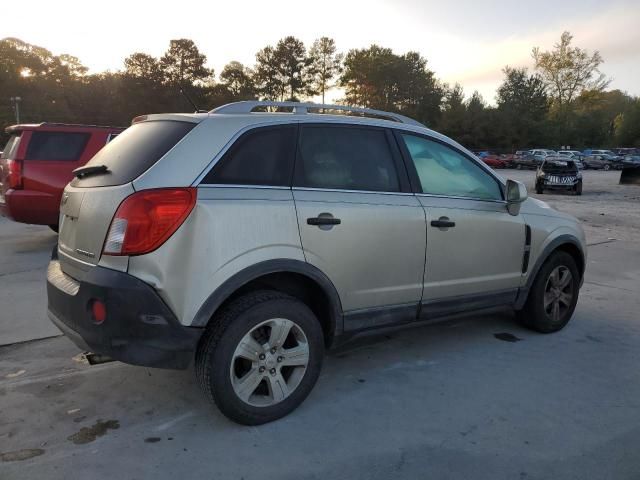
<point>464,41</point>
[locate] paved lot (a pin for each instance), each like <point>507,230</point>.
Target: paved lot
<point>442,401</point>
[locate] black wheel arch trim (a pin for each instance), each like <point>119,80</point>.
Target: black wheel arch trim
<point>231,285</point>
<point>557,242</point>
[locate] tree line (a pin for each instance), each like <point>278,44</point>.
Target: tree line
<point>565,100</point>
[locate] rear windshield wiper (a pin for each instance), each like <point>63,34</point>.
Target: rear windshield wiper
<point>90,170</point>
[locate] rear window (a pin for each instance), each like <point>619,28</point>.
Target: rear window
<point>11,148</point>
<point>134,151</point>
<point>56,146</point>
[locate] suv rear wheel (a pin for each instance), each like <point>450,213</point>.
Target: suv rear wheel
<point>553,295</point>
<point>260,357</point>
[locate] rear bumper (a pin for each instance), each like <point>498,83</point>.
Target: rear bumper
<point>30,206</point>
<point>139,329</point>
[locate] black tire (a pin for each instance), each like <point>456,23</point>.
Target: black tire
<point>579,188</point>
<point>539,189</point>
<point>54,228</point>
<point>533,315</point>
<point>228,327</point>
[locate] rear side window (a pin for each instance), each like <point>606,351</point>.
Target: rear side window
<point>10,150</point>
<point>56,146</point>
<point>346,158</point>
<point>260,157</point>
<point>134,151</point>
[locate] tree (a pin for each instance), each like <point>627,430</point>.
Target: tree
<point>523,105</point>
<point>453,112</point>
<point>266,77</point>
<point>325,64</point>
<point>282,72</point>
<point>184,64</point>
<point>568,70</point>
<point>141,65</point>
<point>376,77</point>
<point>628,126</point>
<point>292,66</point>
<point>238,80</point>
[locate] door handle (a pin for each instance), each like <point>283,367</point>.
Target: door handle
<point>323,221</point>
<point>443,222</point>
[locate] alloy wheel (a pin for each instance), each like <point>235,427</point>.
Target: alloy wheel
<point>269,362</point>
<point>558,293</point>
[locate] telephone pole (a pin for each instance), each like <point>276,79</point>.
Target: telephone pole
<point>15,103</point>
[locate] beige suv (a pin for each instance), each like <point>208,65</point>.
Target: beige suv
<point>251,238</point>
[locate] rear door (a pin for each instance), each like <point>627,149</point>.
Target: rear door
<point>475,247</point>
<point>358,221</point>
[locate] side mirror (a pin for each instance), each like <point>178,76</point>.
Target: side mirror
<point>516,194</point>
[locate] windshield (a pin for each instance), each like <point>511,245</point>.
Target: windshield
<point>559,166</point>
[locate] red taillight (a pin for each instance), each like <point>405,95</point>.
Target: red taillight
<point>14,174</point>
<point>98,311</point>
<point>146,219</point>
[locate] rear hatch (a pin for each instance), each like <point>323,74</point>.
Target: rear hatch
<point>90,201</point>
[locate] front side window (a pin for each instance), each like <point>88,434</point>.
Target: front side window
<point>345,158</point>
<point>443,171</point>
<point>260,157</point>
<point>56,146</point>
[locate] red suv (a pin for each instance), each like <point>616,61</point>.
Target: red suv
<point>38,161</point>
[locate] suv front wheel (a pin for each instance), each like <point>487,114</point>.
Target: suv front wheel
<point>260,357</point>
<point>553,295</point>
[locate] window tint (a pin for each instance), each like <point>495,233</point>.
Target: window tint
<point>60,146</point>
<point>134,151</point>
<point>346,158</point>
<point>443,171</point>
<point>11,148</point>
<point>260,157</point>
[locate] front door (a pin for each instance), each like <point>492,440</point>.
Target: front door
<point>475,247</point>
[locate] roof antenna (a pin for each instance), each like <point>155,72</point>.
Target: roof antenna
<point>193,104</point>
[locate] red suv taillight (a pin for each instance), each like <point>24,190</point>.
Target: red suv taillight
<point>14,174</point>
<point>146,219</point>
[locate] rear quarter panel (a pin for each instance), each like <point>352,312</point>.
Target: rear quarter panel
<point>230,229</point>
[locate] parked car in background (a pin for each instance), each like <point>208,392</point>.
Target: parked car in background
<point>38,161</point>
<point>495,161</point>
<point>528,161</point>
<point>601,162</point>
<point>558,172</point>
<point>575,155</point>
<point>542,153</point>
<point>248,242</point>
<point>623,152</point>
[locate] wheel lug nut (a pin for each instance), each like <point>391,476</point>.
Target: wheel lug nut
<point>279,359</point>
<point>261,369</point>
<point>261,356</point>
<point>272,371</point>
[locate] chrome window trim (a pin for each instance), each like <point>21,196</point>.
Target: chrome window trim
<point>340,190</point>
<point>476,199</point>
<point>235,185</point>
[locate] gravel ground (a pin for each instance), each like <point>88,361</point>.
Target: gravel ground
<point>452,400</point>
